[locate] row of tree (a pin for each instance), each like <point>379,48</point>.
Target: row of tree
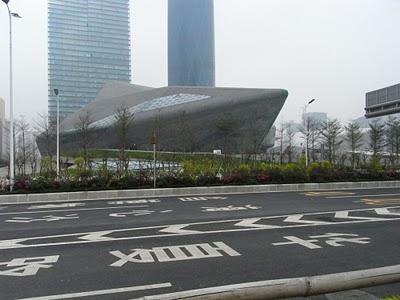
<point>340,144</point>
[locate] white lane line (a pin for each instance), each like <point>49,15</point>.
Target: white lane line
<point>64,210</point>
<point>102,292</point>
<point>362,196</point>
<point>177,230</point>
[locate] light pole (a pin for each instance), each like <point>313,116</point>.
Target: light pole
<point>153,141</point>
<point>56,92</point>
<point>11,15</point>
<point>307,127</point>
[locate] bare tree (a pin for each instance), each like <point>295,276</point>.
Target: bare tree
<point>33,155</point>
<point>184,132</point>
<point>376,138</point>
<point>22,128</point>
<point>84,130</point>
<point>331,130</point>
<point>393,138</point>
<point>46,131</point>
<point>227,130</point>
<point>289,136</point>
<point>353,137</point>
<point>123,123</point>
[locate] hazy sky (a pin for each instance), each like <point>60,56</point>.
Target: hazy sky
<point>332,50</point>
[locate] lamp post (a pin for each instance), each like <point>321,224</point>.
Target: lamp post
<point>307,127</point>
<point>153,141</point>
<point>11,15</point>
<point>56,92</point>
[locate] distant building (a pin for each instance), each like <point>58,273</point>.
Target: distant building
<point>191,53</point>
<point>89,44</point>
<point>185,119</point>
<point>383,102</point>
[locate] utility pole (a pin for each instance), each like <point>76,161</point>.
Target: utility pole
<point>307,127</point>
<point>12,169</point>
<point>56,92</point>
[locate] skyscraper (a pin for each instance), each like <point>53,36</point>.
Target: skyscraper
<point>191,53</point>
<point>89,44</point>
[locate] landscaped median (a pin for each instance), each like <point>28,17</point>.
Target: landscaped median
<point>190,191</point>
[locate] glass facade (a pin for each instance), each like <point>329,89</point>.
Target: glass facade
<point>191,53</point>
<point>154,104</point>
<point>89,44</point>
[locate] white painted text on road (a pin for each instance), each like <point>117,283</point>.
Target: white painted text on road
<point>174,253</point>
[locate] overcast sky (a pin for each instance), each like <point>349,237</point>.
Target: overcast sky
<point>332,50</point>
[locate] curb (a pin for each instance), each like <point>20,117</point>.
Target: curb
<point>291,287</point>
<point>191,191</point>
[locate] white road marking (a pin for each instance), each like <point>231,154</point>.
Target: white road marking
<point>103,292</point>
<point>193,199</point>
<point>386,211</point>
<point>297,219</point>
<point>345,215</point>
<point>61,205</point>
<point>293,240</point>
<point>66,210</point>
<point>333,239</point>
<point>174,253</point>
<point>135,213</point>
<point>43,219</point>
<point>96,237</point>
<point>140,201</point>
<point>362,196</point>
<point>178,229</point>
<point>29,266</point>
<point>230,208</point>
<point>169,230</point>
<point>250,223</point>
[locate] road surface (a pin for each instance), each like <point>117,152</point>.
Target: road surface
<point>127,249</point>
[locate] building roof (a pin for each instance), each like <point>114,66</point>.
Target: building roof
<point>141,99</point>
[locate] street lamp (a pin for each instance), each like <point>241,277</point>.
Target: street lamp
<point>11,15</point>
<point>56,92</point>
<point>307,126</point>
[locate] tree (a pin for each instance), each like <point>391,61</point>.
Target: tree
<point>289,136</point>
<point>227,130</point>
<point>184,132</point>
<point>46,132</point>
<point>123,123</point>
<point>376,139</point>
<point>22,128</point>
<point>353,137</point>
<point>331,130</point>
<point>393,138</point>
<point>84,131</point>
<point>310,130</point>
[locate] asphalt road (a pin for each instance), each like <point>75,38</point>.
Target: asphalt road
<point>132,248</point>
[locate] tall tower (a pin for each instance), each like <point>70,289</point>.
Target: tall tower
<point>191,46</point>
<point>89,44</point>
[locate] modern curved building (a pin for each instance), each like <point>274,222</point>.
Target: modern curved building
<point>189,119</point>
<point>191,49</point>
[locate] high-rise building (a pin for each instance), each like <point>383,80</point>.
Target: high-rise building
<point>191,49</point>
<point>89,44</point>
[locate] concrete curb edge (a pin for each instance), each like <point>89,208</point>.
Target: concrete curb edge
<point>290,287</point>
<point>190,191</point>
